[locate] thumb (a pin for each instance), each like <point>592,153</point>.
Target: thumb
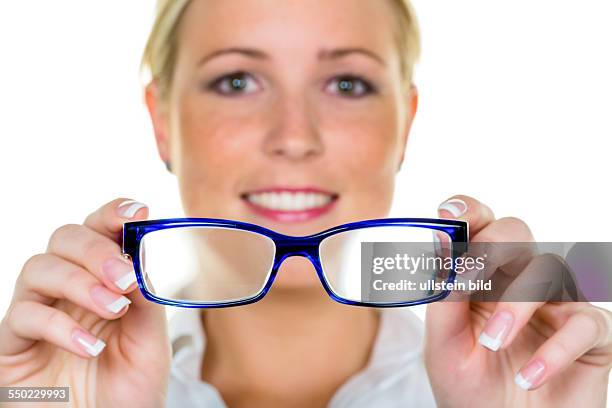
<point>447,320</point>
<point>145,319</point>
<point>144,322</point>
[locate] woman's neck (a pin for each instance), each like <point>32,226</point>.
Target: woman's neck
<point>294,347</point>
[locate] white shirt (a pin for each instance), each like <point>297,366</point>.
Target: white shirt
<point>395,375</point>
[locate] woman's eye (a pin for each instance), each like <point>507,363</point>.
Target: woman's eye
<point>235,83</point>
<point>351,86</point>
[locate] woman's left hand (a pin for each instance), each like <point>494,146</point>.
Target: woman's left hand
<point>551,354</point>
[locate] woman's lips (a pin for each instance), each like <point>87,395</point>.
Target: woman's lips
<point>290,204</point>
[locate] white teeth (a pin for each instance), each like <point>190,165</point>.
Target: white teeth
<point>319,200</point>
<point>287,201</point>
<point>310,200</point>
<point>283,200</point>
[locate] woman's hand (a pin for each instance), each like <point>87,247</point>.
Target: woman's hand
<point>76,319</point>
<point>562,351</point>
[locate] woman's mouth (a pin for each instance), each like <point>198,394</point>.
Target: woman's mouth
<point>290,204</point>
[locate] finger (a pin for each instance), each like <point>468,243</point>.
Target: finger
<point>462,207</point>
<point>103,258</point>
<point>506,242</point>
<point>108,220</point>
<point>540,281</point>
<point>144,316</point>
<point>44,278</point>
<point>505,245</point>
<point>543,280</point>
<point>565,347</point>
<point>27,322</point>
<point>452,318</point>
<point>506,229</point>
<point>95,252</point>
<point>447,320</point>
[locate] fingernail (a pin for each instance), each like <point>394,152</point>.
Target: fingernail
<point>437,246</point>
<point>108,299</point>
<point>441,243</point>
<point>496,330</point>
<point>128,209</point>
<point>92,345</point>
<point>454,206</point>
<point>120,272</point>
<point>529,375</point>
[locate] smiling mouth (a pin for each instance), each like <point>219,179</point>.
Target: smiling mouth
<point>290,204</point>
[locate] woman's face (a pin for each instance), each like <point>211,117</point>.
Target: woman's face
<point>286,114</point>
<point>276,108</point>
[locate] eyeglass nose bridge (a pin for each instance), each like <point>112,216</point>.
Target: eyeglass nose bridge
<point>300,247</point>
<point>307,249</point>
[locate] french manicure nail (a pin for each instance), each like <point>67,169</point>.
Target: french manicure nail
<point>128,209</point>
<point>124,282</point>
<point>92,345</point>
<point>529,375</point>
<point>496,330</point>
<point>118,304</point>
<point>455,206</point>
<point>120,272</point>
<point>108,299</point>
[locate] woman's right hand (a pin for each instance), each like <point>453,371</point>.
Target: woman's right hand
<point>75,294</point>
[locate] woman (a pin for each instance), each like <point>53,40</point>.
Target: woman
<point>260,96</point>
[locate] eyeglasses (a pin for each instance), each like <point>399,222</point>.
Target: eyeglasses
<point>209,263</point>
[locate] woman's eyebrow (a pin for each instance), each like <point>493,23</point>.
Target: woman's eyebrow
<point>249,52</point>
<point>342,52</point>
<point>324,54</point>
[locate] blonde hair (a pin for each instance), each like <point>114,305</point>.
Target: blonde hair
<point>159,56</point>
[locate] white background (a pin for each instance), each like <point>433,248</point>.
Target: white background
<point>515,110</point>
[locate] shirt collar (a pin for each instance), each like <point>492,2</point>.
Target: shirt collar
<point>188,340</point>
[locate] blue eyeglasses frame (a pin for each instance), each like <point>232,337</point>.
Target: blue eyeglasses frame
<point>286,246</point>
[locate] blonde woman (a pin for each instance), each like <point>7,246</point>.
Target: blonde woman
<point>252,96</point>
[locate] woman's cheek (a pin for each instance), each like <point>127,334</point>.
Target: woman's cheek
<point>210,148</point>
<point>365,148</point>
<point>213,136</point>
<point>365,130</point>
<point>366,159</point>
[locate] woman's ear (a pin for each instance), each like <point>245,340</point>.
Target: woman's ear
<point>159,120</point>
<point>412,102</point>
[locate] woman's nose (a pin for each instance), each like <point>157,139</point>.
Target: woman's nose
<point>295,134</point>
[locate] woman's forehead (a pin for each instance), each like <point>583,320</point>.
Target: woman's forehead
<point>288,24</point>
